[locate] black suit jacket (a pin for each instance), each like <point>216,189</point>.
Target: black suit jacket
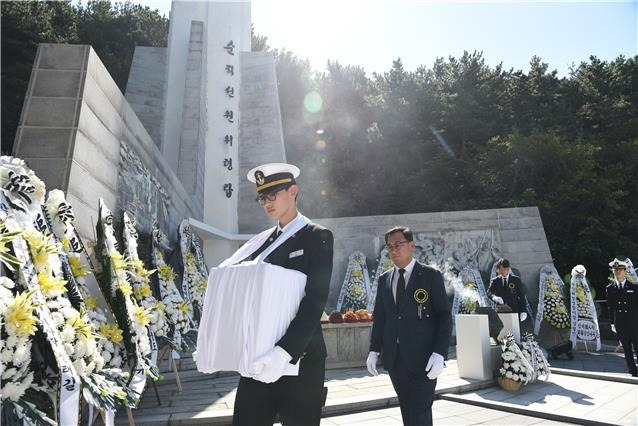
<point>418,337</point>
<point>513,294</point>
<point>304,337</point>
<point>623,309</point>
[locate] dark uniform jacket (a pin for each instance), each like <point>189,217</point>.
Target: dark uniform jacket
<point>513,293</point>
<point>308,251</point>
<point>623,309</point>
<point>418,337</point>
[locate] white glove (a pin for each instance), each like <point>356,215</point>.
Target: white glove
<point>435,366</point>
<point>371,363</point>
<point>270,367</point>
<point>613,328</point>
<point>522,316</point>
<point>497,300</point>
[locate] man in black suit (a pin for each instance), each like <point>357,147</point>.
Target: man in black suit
<point>507,289</point>
<point>412,327</point>
<point>622,302</point>
<point>297,399</point>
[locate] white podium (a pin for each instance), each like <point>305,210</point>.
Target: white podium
<point>473,355</point>
<point>510,324</point>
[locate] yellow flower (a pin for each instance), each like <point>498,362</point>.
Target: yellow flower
<point>5,256</point>
<point>142,315</point>
<point>357,273</point>
<point>91,302</point>
<point>160,306</point>
<point>119,263</point>
<point>112,333</point>
<point>20,314</point>
<point>190,258</point>
<point>159,255</point>
<point>66,245</point>
<point>78,268</point>
<point>41,246</point>
<point>51,284</point>
<point>142,292</point>
<point>560,309</point>
<point>124,287</point>
<point>166,272</point>
<point>79,322</point>
<point>468,284</point>
<point>580,293</point>
<point>184,308</point>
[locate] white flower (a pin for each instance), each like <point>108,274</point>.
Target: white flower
<point>508,374</point>
<point>67,333</point>
<point>22,354</point>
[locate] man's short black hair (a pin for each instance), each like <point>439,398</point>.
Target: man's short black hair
<point>503,263</point>
<point>407,233</point>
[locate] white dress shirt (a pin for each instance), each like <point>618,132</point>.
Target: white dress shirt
<point>622,284</point>
<point>406,276</point>
<point>280,230</point>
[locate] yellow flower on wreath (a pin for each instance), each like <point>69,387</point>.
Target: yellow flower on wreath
<point>78,268</point>
<point>142,315</point>
<point>580,294</point>
<point>20,314</point>
<point>50,284</point>
<point>81,325</point>
<point>183,307</point>
<point>40,246</point>
<point>166,272</point>
<point>119,262</point>
<point>124,287</point>
<point>142,291</point>
<point>112,333</point>
<point>91,302</point>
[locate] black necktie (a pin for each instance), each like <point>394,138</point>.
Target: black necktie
<point>504,282</point>
<point>400,288</point>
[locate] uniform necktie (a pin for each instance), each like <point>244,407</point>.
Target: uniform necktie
<point>504,282</point>
<point>400,287</point>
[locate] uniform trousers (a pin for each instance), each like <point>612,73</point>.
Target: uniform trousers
<point>415,392</point>
<point>630,346</point>
<point>297,399</point>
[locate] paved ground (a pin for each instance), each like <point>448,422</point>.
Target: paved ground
<point>590,389</point>
<point>443,413</point>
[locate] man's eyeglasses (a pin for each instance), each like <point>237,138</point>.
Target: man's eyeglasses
<point>397,245</point>
<point>272,196</point>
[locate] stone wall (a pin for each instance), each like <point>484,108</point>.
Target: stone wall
<point>145,89</point>
<point>79,134</point>
<point>260,133</point>
<point>516,233</point>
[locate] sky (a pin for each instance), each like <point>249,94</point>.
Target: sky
<point>373,33</point>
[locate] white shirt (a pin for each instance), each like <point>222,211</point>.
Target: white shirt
<point>281,230</point>
<point>406,276</point>
<point>622,284</point>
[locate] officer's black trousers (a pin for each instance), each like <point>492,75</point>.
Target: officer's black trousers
<point>297,399</point>
<point>630,346</point>
<point>415,392</point>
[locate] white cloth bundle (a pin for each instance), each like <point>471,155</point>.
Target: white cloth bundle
<point>247,309</point>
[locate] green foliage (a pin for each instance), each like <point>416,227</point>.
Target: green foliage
<point>112,29</point>
<point>463,135</point>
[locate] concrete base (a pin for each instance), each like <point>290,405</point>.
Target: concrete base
<point>473,347</point>
<point>347,344</point>
<point>511,325</point>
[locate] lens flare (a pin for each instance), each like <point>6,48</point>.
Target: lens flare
<point>320,145</point>
<point>313,102</point>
